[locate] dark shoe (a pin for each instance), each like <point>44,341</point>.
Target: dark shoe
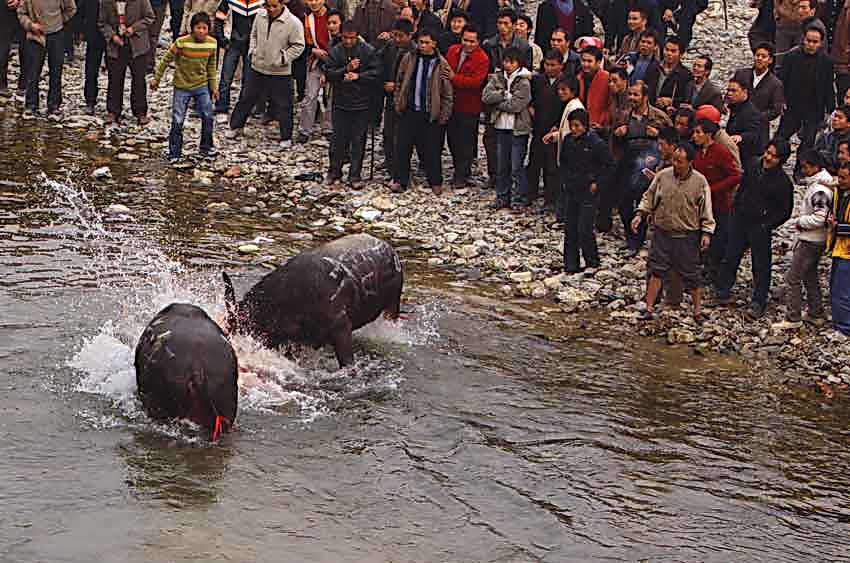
<point>756,311</point>
<point>459,183</point>
<point>500,204</point>
<point>519,208</point>
<point>397,188</point>
<point>333,180</point>
<point>645,316</point>
<point>699,318</point>
<point>572,270</point>
<point>90,109</point>
<point>592,264</point>
<point>111,118</point>
<point>437,189</point>
<point>302,139</point>
<point>266,119</point>
<point>793,317</point>
<point>632,252</point>
<point>356,183</point>
<point>143,120</point>
<point>210,154</point>
<point>724,300</point>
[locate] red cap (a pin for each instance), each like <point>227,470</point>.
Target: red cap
<point>708,112</point>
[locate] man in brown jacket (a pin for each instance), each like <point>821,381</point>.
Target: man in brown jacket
<point>44,22</point>
<point>424,103</point>
<point>374,17</point>
<point>128,43</point>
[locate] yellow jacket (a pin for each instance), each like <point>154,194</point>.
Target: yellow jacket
<point>840,246</point>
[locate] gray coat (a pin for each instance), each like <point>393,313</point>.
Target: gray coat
<point>138,14</point>
<point>495,95</point>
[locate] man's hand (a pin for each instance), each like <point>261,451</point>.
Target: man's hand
<point>551,136</point>
<point>594,188</point>
<point>621,130</point>
<point>663,102</point>
<point>117,40</point>
<point>319,52</point>
<point>155,85</point>
<point>129,31</point>
<point>636,222</point>
<point>354,64</point>
<point>651,131</point>
<point>389,87</point>
<point>383,36</point>
<point>736,139</point>
<point>36,27</point>
<point>350,77</point>
<point>649,173</point>
<point>705,241</point>
<point>215,95</point>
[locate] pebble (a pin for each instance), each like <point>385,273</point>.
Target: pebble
<point>248,249</point>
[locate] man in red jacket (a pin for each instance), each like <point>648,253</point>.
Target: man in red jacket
<point>469,64</point>
<point>593,87</point>
<point>716,163</point>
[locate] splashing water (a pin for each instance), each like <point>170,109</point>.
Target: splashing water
<point>138,279</point>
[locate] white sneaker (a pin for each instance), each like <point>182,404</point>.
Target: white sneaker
<point>232,133</point>
<point>222,118</point>
<point>287,144</point>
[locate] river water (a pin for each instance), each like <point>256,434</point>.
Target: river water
<point>474,430</point>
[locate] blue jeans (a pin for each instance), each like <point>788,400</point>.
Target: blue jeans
<point>179,105</point>
<point>745,232</point>
<point>234,52</point>
<point>510,170</point>
<point>633,188</point>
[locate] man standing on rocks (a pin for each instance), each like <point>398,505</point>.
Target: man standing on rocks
<point>317,39</point>
<point>124,25</point>
<point>839,243</point>
<point>11,30</point>
<point>679,202</point>
<point>674,83</point>
<point>239,14</point>
<point>762,204</point>
<point>812,227</point>
<point>766,92</point>
<point>828,143</point>
<point>745,122</point>
<point>44,21</point>
<point>424,104</point>
<point>639,135</point>
<point>468,63</point>
<point>353,70</point>
<point>593,87</point>
<point>636,20</point>
<point>546,109</point>
<point>705,91</point>
<point>277,39</point>
<point>391,54</point>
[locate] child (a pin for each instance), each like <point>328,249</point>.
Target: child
<point>811,238</point>
<point>509,93</point>
<point>195,74</point>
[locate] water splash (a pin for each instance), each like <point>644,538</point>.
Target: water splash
<point>136,279</point>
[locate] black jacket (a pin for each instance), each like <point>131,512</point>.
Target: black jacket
<point>446,40</point>
<point>823,89</point>
<point>547,106</point>
<point>768,97</point>
<point>745,120</point>
<point>354,95</point>
<point>547,21</point>
<point>679,86</point>
<point>618,13</point>
<point>483,14</point>
<point>494,51</point>
<point>585,160</point>
<point>429,20</point>
<point>390,55</point>
<point>709,94</point>
<point>88,12</point>
<point>766,197</point>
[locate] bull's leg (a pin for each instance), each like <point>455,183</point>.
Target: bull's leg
<point>343,345</point>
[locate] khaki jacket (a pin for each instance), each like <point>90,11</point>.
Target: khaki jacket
<point>440,91</point>
<point>51,14</point>
<point>138,14</point>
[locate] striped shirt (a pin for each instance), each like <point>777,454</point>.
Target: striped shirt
<point>195,63</point>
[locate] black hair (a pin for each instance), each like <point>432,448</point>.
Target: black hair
<point>741,82</point>
<point>687,148</point>
<point>709,64</point>
<point>458,13</point>
<point>767,46</point>
<point>426,33</point>
<point>669,134</point>
<point>200,17</point>
<point>845,109</point>
<point>620,71</point>
<point>561,30</point>
<point>708,126</point>
<point>512,54</point>
<point>507,13</point>
<point>686,112</point>
<point>471,28</point>
<point>783,149</point>
<point>649,33</point>
<point>554,55</point>
<point>403,25</point>
<point>811,156</point>
<point>644,89</point>
<point>677,42</point>
<point>813,27</point>
<point>580,115</point>
<point>593,50</point>
<point>570,82</point>
<point>641,11</point>
<point>347,27</point>
<point>527,20</point>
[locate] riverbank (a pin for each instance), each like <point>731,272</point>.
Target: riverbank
<point>520,255</point>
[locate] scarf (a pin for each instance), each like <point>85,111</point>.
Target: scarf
<point>424,70</point>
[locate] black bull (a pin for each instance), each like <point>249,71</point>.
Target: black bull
<point>320,296</point>
<point>186,368</point>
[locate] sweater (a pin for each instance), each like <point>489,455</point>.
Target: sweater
<point>722,174</point>
<point>679,205</point>
<point>814,208</point>
<point>194,63</point>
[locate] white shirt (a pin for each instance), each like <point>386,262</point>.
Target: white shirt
<point>758,77</point>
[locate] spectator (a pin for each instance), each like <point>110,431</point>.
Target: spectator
<point>546,109</point>
<point>392,53</point>
<point>593,87</point>
<point>11,31</point>
<point>571,16</point>
<point>723,176</point>
<point>811,228</point>
<point>523,30</point>
<point>683,121</point>
<point>680,16</point>
<point>674,83</point>
<point>839,245</point>
<point>788,19</point>
<point>679,203</point>
<point>841,49</point>
<point>808,19</point>
<point>424,104</point>
<point>95,50</point>
<point>175,8</point>
<point>277,38</point>
<point>128,44</point>
<point>638,134</point>
<point>827,143</point>
<point>722,137</point>
<point>353,70</point>
<point>482,13</point>
<point>509,92</point>
<point>843,153</point>
<point>468,63</point>
<point>154,31</point>
<point>617,19</point>
<point>643,65</point>
<point>239,14</point>
<point>195,76</point>
<point>560,41</point>
<point>765,88</point>
<point>744,125</point>
<point>636,21</point>
<point>374,17</point>
<point>568,94</point>
<point>807,77</point>
<point>762,204</point>
<point>192,7</point>
<point>705,91</point>
<point>44,20</point>
<point>586,164</point>
<point>452,36</point>
<point>619,108</point>
<point>317,41</point>
<point>425,18</point>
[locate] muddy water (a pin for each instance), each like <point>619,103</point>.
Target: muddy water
<point>470,432</point>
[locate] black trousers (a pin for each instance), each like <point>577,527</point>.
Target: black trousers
<point>389,142</point>
<point>805,123</point>
<point>349,134</point>
<point>54,51</point>
<point>279,91</point>
<point>117,69</point>
<point>462,133</point>
<point>580,216</point>
<point>95,50</point>
<point>176,8</point>
<point>415,129</point>
<point>543,159</point>
<point>11,31</point>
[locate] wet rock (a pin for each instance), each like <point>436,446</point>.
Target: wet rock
<point>102,173</point>
<point>383,203</point>
<point>522,276</point>
<point>468,251</point>
<point>368,213</point>
<point>248,249</point>
<point>678,335</point>
<point>117,209</point>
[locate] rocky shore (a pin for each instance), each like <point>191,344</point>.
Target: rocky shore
<point>519,254</point>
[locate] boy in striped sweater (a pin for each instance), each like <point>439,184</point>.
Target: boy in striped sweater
<point>196,69</point>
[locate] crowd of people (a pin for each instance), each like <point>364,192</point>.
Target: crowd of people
<point>603,124</point>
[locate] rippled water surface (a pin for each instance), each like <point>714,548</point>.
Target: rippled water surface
<point>474,430</point>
